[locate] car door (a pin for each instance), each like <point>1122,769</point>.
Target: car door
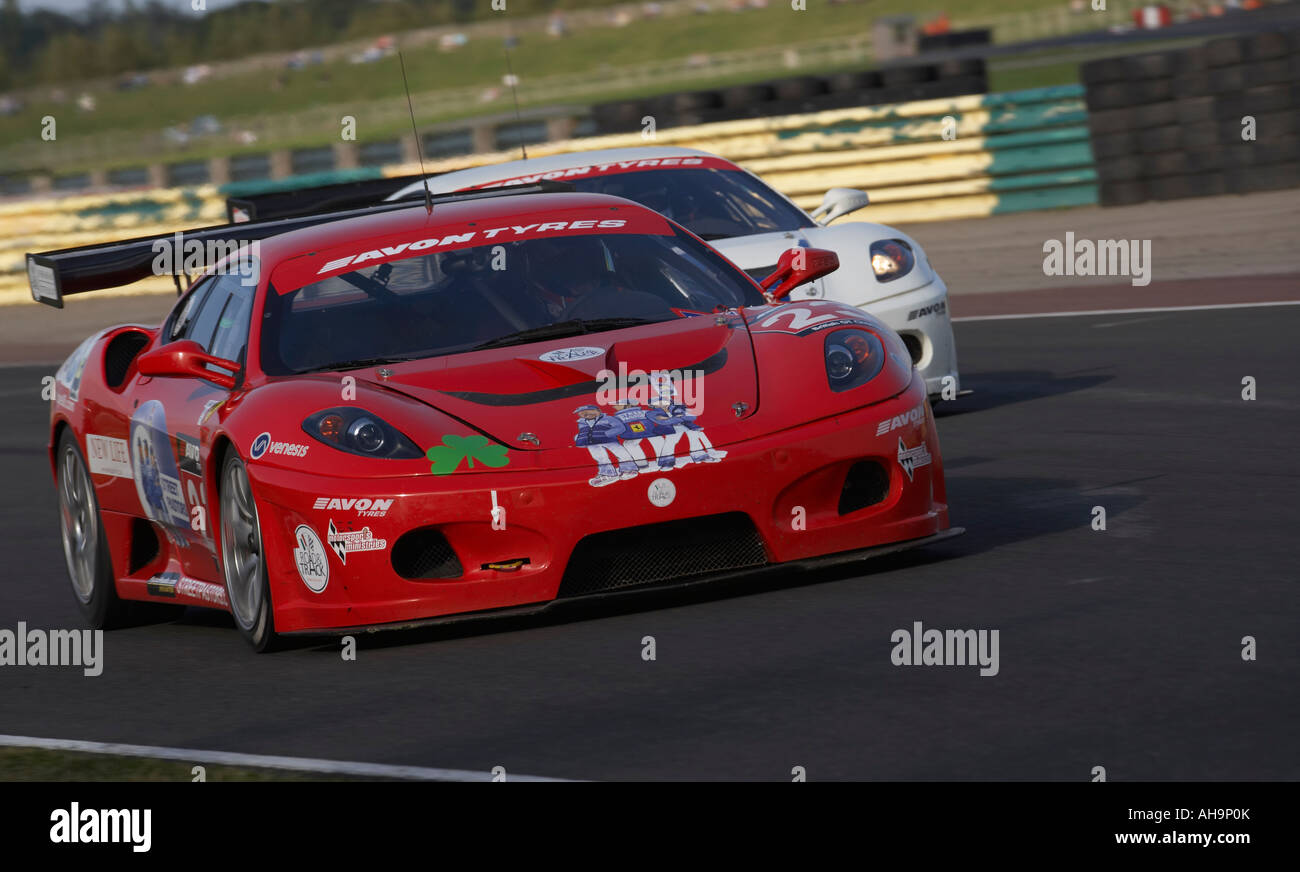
<point>168,459</point>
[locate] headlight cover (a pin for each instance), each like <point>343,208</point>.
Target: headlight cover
<point>853,358</point>
<point>357,431</point>
<point>891,259</point>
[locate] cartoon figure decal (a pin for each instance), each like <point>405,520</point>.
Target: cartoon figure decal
<point>614,440</point>
<point>157,480</point>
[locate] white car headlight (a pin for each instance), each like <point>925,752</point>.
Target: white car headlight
<point>891,259</point>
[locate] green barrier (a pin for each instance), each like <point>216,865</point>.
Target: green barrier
<point>293,183</point>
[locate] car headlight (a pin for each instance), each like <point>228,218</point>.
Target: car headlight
<point>357,431</point>
<point>853,358</point>
<point>891,259</point>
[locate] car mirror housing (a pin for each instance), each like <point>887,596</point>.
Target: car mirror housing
<point>798,266</point>
<point>839,202</point>
<point>186,359</point>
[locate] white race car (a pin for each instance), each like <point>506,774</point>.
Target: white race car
<point>882,270</point>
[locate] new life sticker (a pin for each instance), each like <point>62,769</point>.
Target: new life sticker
<point>662,492</point>
<point>563,355</point>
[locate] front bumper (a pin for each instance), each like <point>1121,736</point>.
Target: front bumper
<point>789,485</point>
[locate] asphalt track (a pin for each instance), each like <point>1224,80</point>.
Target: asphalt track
<point>1118,648</point>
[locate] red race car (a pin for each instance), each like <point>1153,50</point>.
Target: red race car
<point>491,401</point>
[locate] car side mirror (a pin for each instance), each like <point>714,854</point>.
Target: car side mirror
<point>798,266</point>
<point>186,359</point>
<point>839,202</point>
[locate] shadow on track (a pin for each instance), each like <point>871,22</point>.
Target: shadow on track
<point>994,389</point>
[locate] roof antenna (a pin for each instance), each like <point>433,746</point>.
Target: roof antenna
<point>514,92</point>
<point>428,197</point>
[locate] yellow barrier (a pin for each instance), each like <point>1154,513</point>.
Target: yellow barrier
<point>924,161</point>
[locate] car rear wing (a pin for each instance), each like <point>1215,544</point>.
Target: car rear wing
<point>53,275</point>
<point>312,201</point>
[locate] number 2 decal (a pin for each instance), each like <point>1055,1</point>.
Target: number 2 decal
<point>800,319</point>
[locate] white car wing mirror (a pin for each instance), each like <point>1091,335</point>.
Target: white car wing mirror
<point>839,202</point>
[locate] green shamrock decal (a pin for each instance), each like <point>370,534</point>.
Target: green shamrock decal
<point>447,456</point>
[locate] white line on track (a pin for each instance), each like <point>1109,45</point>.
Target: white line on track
<point>260,761</point>
<point>1126,311</point>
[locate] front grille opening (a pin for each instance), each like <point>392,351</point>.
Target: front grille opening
<point>913,343</point>
<point>671,551</point>
<point>867,484</point>
<point>144,546</point>
<point>425,553</point>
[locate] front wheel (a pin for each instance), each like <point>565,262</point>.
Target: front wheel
<point>242,559</point>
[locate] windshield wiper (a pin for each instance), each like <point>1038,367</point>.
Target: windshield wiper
<point>356,364</point>
<point>560,329</point>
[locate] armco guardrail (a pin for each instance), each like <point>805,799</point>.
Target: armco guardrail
<point>1213,119</point>
<point>967,156</point>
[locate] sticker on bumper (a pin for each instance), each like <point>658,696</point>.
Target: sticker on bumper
<point>309,557</point>
<point>912,459</point>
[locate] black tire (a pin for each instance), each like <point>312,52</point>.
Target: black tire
<point>1192,110</point>
<point>1114,145</point>
<point>256,618</point>
<point>1196,84</point>
<point>1103,71</point>
<point>800,88</point>
<point>1225,51</point>
<point>1277,72</point>
<point>1112,121</point>
<point>1263,178</point>
<point>1169,163</point>
<point>1224,80</point>
<point>1264,99</point>
<point>695,101</point>
<point>1203,135</point>
<point>745,96</point>
<point>85,547</point>
<point>956,69</point>
<point>851,83</point>
<point>896,77</point>
<point>1168,138</point>
<point>1188,61</point>
<point>1204,160</point>
<point>1121,169</point>
<point>1149,66</point>
<point>1267,46</point>
<point>1181,187</point>
<point>1159,114</point>
<point>1273,125</point>
<point>1283,149</point>
<point>1122,193</point>
<point>1110,96</point>
<point>1239,155</point>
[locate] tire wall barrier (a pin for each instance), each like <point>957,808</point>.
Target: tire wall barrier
<point>927,160</point>
<point>1172,124</point>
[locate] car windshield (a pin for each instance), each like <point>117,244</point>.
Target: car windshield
<point>711,203</point>
<point>495,295</point>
